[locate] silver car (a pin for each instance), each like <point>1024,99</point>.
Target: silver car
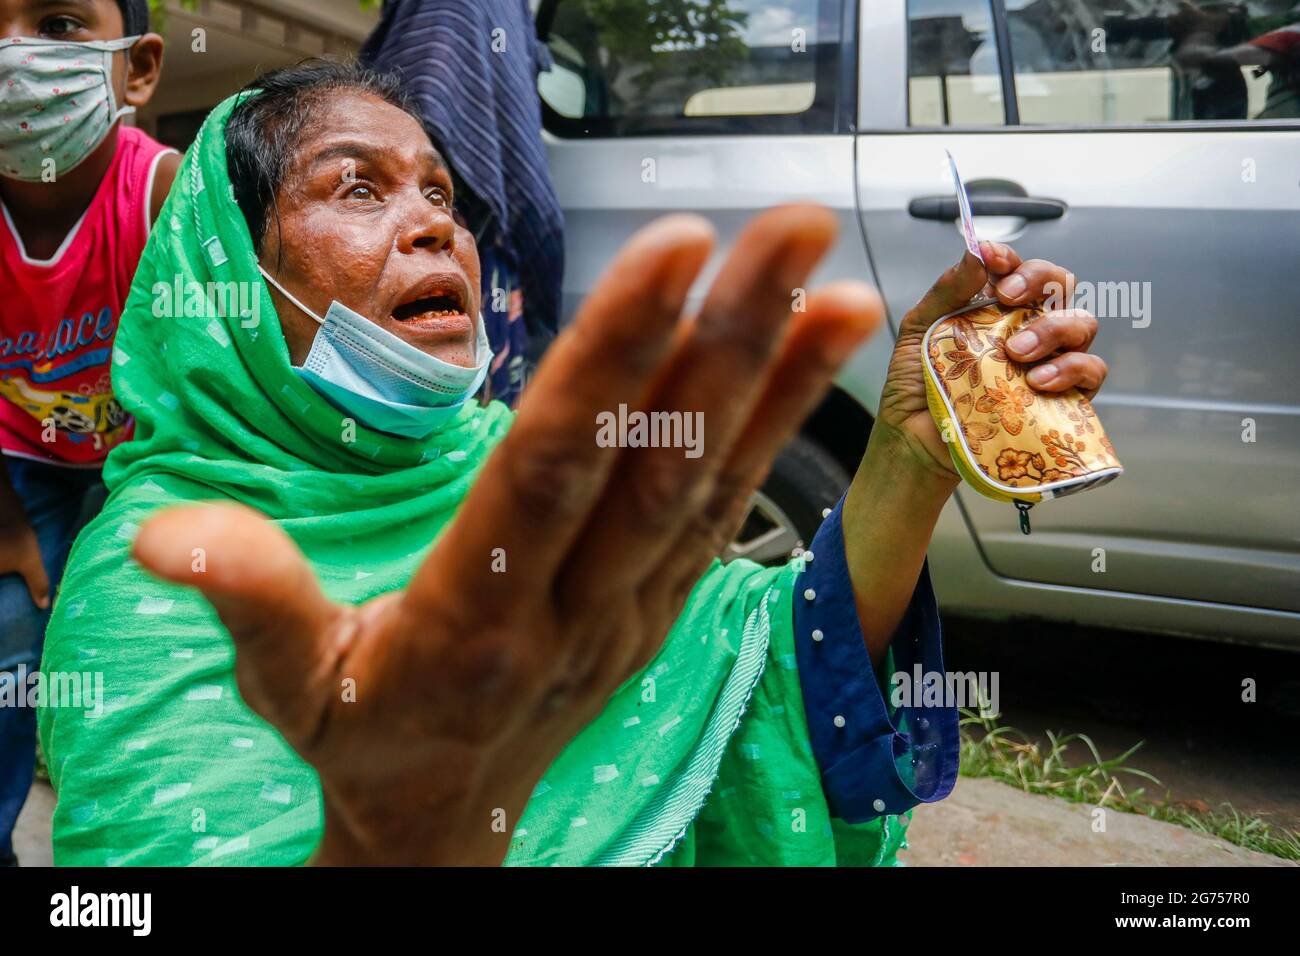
<point>1150,147</point>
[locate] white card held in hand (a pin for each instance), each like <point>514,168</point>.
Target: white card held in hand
<point>963,204</point>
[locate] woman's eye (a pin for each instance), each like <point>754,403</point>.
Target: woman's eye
<point>361,192</point>
<point>438,198</point>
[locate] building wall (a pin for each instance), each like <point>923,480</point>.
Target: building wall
<point>218,47</point>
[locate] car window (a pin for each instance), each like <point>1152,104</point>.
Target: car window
<point>953,73</point>
<point>646,67</point>
<point>1100,62</point>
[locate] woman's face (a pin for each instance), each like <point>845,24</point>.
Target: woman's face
<point>365,217</point>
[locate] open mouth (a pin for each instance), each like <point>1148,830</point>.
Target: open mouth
<point>442,304</point>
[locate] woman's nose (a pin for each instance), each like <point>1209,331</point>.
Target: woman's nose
<point>428,227</point>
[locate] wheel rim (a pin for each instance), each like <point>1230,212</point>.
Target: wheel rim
<point>767,536</point>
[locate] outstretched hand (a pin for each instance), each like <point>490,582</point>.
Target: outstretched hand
<point>469,683</point>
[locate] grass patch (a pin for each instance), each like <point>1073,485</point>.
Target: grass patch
<point>989,749</point>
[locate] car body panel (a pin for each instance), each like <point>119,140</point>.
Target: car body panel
<point>1200,513</point>
<point>1201,536</point>
<point>609,188</point>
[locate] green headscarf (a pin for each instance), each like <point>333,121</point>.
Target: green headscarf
<point>703,757</point>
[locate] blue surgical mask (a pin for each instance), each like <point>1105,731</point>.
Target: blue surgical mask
<point>381,381</point>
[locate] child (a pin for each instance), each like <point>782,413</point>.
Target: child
<point>78,192</point>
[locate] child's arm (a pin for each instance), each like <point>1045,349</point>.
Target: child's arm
<point>163,178</point>
<point>20,553</point>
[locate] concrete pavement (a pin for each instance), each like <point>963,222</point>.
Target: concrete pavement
<point>32,834</point>
<point>987,823</point>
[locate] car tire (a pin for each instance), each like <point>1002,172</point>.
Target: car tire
<point>786,512</point>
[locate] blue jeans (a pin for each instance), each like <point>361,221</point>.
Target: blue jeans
<point>59,502</point>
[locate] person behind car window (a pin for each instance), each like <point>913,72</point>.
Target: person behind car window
<point>1276,54</point>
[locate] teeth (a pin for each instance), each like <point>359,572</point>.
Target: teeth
<point>440,313</point>
<point>435,313</point>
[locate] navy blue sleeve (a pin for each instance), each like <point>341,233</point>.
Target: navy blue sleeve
<point>875,758</point>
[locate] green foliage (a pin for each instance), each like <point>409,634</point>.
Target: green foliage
<point>158,12</point>
<point>708,31</point>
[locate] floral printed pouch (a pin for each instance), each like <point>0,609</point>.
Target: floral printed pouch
<point>1009,442</point>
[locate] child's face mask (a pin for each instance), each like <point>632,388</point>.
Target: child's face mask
<point>56,103</point>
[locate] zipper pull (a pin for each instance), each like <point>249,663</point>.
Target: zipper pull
<point>1023,507</point>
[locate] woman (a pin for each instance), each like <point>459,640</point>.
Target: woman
<point>471,69</point>
<point>567,676</point>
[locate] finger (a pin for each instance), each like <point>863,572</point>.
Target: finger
<point>1071,330</point>
<point>1071,370</point>
<point>265,594</point>
<point>999,258</point>
<point>1035,281</point>
<point>536,490</point>
<point>839,319</point>
<point>38,582</point>
<point>956,287</point>
<point>711,382</point>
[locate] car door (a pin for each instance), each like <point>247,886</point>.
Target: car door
<point>1153,151</point>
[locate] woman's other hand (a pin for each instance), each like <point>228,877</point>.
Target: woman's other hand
<point>1055,345</point>
<point>469,683</point>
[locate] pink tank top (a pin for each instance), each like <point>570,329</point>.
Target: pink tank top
<point>58,317</point>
